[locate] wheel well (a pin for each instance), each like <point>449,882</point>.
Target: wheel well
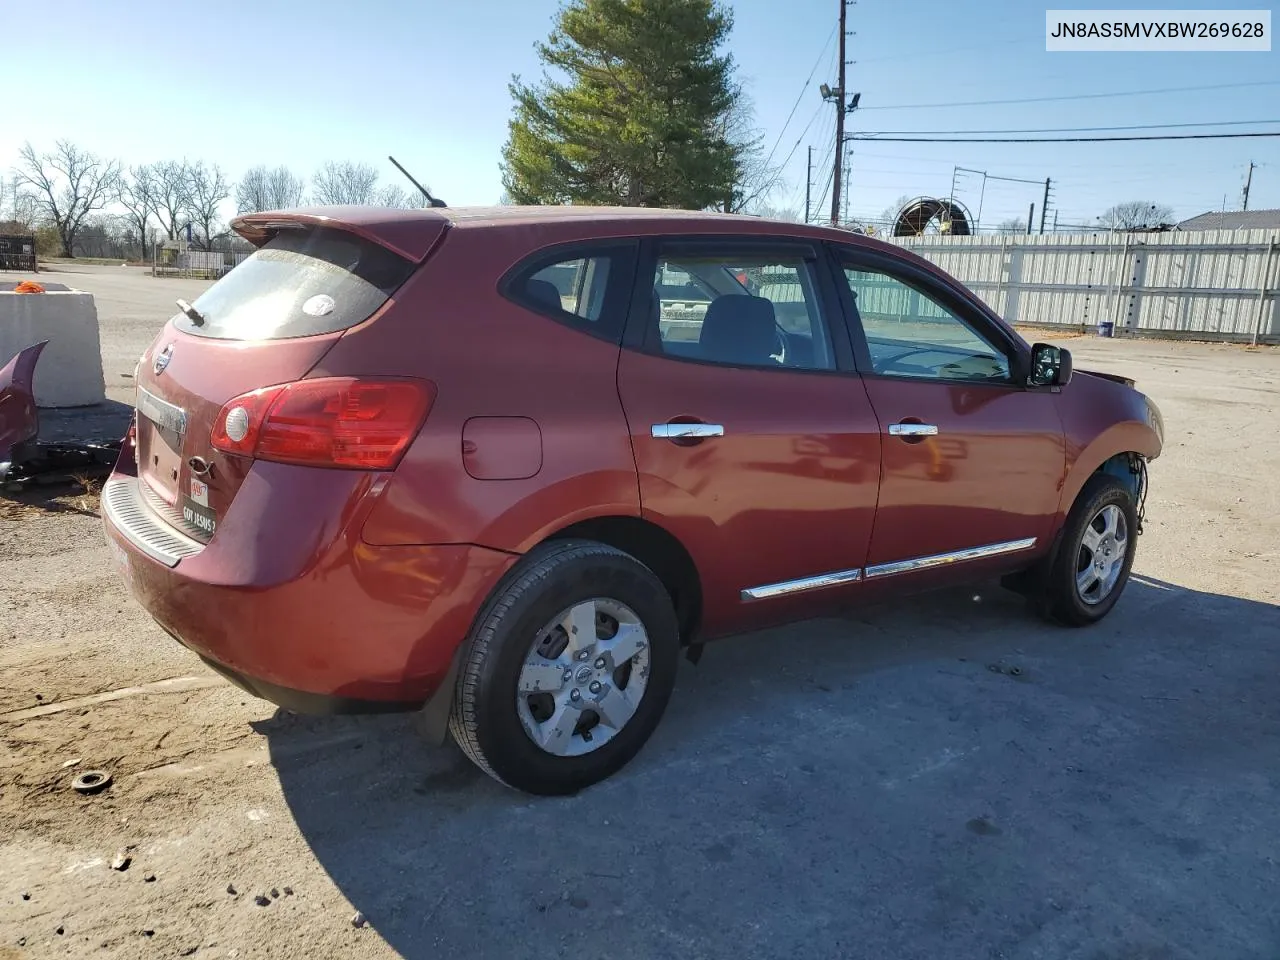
<point>1130,469</point>
<point>660,552</point>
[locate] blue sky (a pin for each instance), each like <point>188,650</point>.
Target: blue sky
<point>293,82</point>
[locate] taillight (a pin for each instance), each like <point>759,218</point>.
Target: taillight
<point>348,422</point>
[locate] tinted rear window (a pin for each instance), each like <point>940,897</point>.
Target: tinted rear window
<point>300,283</point>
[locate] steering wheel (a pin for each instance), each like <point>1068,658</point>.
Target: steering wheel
<point>780,336</point>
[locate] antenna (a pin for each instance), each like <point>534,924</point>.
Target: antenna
<point>430,199</point>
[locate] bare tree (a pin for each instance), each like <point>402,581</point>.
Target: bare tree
<point>393,195</point>
<point>136,193</point>
<point>775,213</point>
<point>345,183</point>
<point>207,187</point>
<point>268,189</point>
<point>171,185</point>
<point>1012,225</point>
<point>25,209</point>
<point>68,184</point>
<point>1136,215</point>
<point>889,215</point>
<point>758,174</point>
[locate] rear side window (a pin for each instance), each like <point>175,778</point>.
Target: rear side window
<point>582,285</point>
<point>300,283</point>
<point>579,286</point>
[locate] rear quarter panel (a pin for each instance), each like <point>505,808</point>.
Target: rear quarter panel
<point>1100,419</point>
<point>490,358</point>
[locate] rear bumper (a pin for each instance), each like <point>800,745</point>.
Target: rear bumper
<point>289,603</point>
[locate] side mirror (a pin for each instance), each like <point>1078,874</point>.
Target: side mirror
<point>1050,366</point>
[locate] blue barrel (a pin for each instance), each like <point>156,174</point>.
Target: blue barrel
<point>1106,328</point>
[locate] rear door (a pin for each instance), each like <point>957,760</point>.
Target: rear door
<point>754,439</point>
<point>266,322</point>
<point>973,459</point>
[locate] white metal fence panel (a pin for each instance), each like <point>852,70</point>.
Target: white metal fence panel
<point>1211,284</point>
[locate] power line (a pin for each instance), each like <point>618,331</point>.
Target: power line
<point>794,147</point>
<point>1166,136</point>
<point>1077,96</point>
<point>803,91</point>
<point>1139,126</point>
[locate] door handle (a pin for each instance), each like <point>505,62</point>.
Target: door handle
<point>912,430</point>
<point>685,431</point>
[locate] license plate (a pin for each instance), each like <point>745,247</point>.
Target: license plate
<point>195,507</point>
<point>162,413</point>
<point>122,561</point>
<point>161,430</point>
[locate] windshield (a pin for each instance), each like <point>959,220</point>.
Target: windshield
<point>300,283</point>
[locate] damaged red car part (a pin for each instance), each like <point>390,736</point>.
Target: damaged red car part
<point>25,460</point>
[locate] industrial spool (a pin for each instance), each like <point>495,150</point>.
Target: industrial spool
<point>933,215</point>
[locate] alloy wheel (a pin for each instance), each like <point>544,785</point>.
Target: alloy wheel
<point>1103,548</point>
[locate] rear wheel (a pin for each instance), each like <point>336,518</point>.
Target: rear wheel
<point>568,669</point>
<point>1096,554</point>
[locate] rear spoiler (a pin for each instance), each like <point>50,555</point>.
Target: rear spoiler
<point>411,234</point>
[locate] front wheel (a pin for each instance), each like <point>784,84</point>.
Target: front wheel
<point>568,670</point>
<point>1096,554</point>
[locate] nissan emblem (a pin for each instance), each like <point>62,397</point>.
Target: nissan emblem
<point>162,359</point>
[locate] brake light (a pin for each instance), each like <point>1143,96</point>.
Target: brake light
<point>348,422</point>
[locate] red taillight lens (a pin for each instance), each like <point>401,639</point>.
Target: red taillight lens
<point>331,422</point>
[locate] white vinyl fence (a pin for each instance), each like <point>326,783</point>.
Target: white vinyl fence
<point>1203,285</point>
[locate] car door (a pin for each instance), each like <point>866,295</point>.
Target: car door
<point>754,440</point>
<point>973,459</point>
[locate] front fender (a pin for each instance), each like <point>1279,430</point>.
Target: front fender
<point>1102,418</point>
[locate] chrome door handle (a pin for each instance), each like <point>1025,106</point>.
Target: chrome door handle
<point>912,430</point>
<point>685,431</point>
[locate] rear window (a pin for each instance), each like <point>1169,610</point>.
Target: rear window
<point>300,283</point>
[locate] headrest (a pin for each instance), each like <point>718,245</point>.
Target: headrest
<point>739,328</point>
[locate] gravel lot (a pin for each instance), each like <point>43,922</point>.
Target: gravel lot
<point>947,779</point>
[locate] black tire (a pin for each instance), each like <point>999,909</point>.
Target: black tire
<point>484,720</point>
<point>1061,600</point>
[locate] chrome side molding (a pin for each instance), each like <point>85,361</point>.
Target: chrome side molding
<point>781,589</point>
<point>836,578</point>
<point>943,559</point>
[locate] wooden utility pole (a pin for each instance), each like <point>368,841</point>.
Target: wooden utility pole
<point>1248,180</point>
<point>837,179</point>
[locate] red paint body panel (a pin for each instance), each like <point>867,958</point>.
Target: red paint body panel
<point>789,491</point>
<point>287,591</point>
<point>362,585</point>
<point>202,375</point>
<point>1102,418</point>
<point>992,474</point>
<point>492,358</point>
<point>501,448</point>
<point>19,420</point>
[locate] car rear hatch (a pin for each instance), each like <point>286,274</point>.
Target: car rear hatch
<point>266,323</point>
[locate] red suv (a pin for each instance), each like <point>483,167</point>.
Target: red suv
<point>500,465</point>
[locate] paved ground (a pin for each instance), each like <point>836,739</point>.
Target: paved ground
<point>948,779</point>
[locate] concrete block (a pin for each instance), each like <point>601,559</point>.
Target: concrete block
<point>70,370</point>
